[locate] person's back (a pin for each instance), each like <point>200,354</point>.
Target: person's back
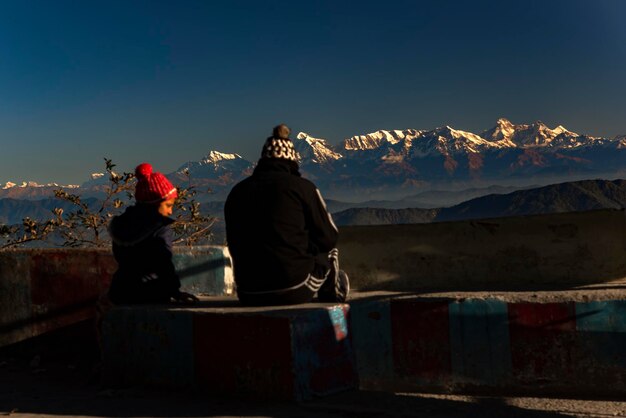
<point>279,232</point>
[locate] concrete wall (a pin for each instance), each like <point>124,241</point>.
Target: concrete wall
<point>489,346</point>
<point>546,251</point>
<point>45,289</point>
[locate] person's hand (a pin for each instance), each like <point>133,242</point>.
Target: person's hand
<point>185,297</point>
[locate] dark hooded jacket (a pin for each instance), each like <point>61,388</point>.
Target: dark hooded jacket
<point>276,223</point>
<point>142,246</point>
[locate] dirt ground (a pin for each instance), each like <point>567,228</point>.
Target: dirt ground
<point>65,389</point>
<point>612,290</point>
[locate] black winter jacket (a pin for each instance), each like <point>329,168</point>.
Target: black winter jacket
<point>142,246</point>
<point>276,223</point>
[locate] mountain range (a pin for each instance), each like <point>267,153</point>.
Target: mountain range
<point>414,159</point>
<point>391,163</point>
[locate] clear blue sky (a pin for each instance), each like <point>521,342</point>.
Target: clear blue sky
<point>168,81</point>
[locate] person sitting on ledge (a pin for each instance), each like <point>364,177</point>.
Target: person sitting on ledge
<point>280,235</point>
<point>142,244</point>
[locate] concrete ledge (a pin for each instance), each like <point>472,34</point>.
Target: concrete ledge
<point>394,343</point>
<point>291,353</point>
<point>45,289</point>
<point>490,345</point>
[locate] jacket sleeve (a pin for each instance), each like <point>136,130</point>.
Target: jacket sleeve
<point>163,259</point>
<point>323,233</point>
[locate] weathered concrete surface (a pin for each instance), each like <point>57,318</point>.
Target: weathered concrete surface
<point>42,290</point>
<point>291,353</point>
<point>557,251</point>
<point>45,289</point>
<point>389,342</point>
<point>490,345</point>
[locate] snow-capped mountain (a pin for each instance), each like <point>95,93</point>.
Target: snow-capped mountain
<point>408,158</point>
<point>414,159</point>
<point>315,150</point>
<point>29,190</point>
<point>538,135</point>
<point>377,139</point>
<point>214,165</point>
<point>216,170</point>
<point>33,184</point>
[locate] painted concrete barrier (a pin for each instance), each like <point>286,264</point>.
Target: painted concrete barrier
<point>490,346</point>
<point>554,251</point>
<point>291,353</point>
<point>45,289</point>
<point>42,290</point>
<point>396,344</point>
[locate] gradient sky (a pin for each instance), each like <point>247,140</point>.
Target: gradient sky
<point>168,81</point>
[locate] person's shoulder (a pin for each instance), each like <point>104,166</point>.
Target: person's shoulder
<point>244,183</point>
<point>163,228</point>
<point>305,183</point>
<point>240,187</point>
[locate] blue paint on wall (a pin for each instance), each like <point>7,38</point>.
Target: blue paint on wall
<point>479,341</point>
<point>597,316</point>
<point>202,270</point>
<point>339,321</point>
<point>371,334</point>
<point>601,333</point>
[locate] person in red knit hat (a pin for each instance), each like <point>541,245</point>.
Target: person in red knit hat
<point>142,244</point>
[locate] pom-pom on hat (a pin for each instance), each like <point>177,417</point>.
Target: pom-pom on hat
<point>152,186</point>
<point>279,145</point>
<point>281,131</point>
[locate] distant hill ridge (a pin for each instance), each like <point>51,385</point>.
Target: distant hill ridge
<point>557,198</point>
<point>563,197</point>
<point>13,211</point>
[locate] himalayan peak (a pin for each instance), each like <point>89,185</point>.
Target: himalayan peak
<point>214,159</point>
<point>379,138</point>
<point>215,156</point>
<point>532,135</point>
<point>315,149</point>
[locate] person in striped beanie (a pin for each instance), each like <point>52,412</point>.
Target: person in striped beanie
<point>142,244</point>
<point>280,235</point>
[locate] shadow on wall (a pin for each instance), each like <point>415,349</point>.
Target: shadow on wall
<point>46,289</point>
<point>557,251</point>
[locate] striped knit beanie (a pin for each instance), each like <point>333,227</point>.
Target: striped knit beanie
<point>152,187</point>
<point>279,145</point>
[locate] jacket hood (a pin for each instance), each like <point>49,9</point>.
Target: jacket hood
<point>136,224</point>
<point>275,164</point>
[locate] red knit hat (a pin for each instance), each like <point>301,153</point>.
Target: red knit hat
<point>152,187</point>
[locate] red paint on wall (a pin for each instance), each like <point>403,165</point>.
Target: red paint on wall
<point>543,341</point>
<point>64,279</point>
<point>244,354</point>
<point>421,339</point>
